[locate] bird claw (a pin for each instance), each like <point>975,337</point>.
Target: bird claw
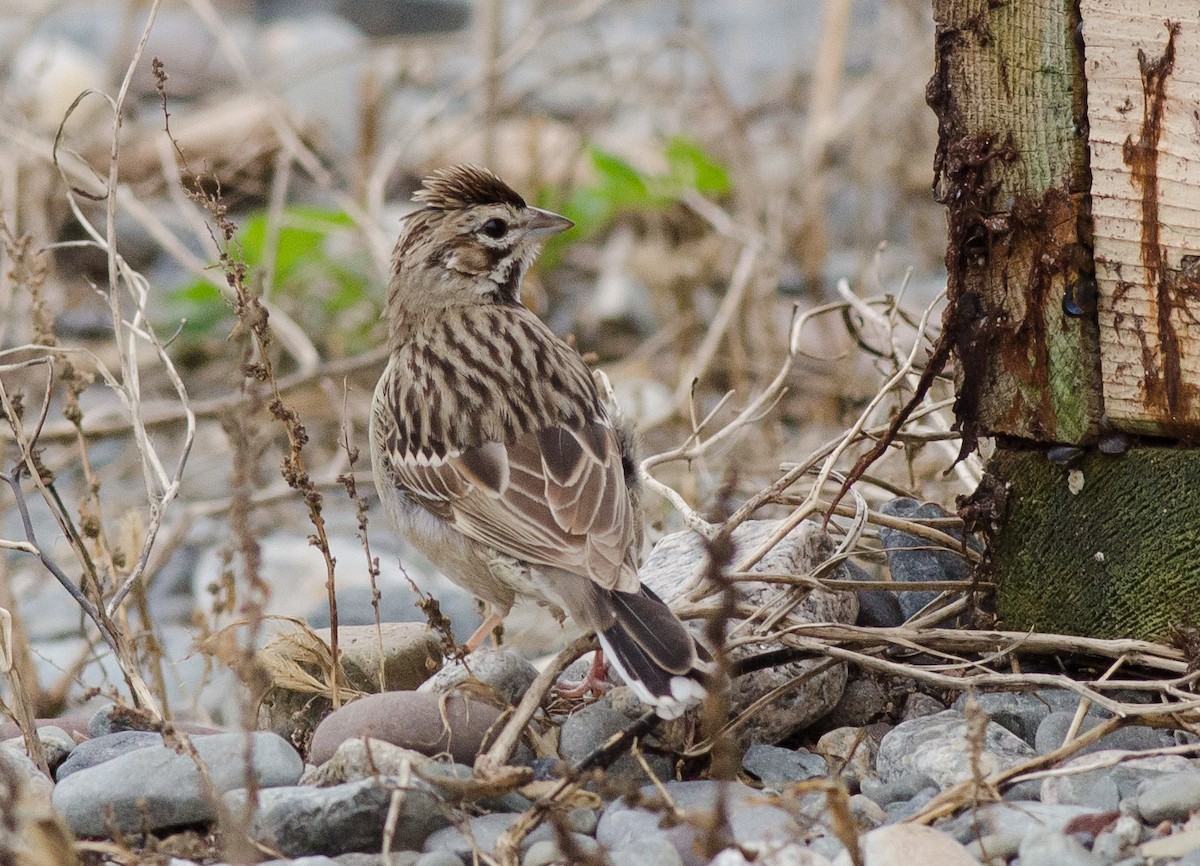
<point>595,680</point>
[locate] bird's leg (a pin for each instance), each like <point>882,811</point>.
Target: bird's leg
<point>595,680</point>
<point>485,630</point>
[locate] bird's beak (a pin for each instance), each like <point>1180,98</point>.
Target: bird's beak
<point>544,223</point>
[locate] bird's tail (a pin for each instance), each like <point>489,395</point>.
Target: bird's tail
<point>656,656</point>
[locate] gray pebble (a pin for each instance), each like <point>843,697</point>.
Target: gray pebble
<point>937,746</point>
<point>300,820</point>
<point>480,834</point>
<point>313,860</point>
<point>1016,818</point>
<point>57,744</point>
<point>1050,848</point>
<point>395,858</point>
<point>993,845</point>
<point>904,809</point>
<point>1169,798</point>
<point>438,858</point>
<point>653,850</point>
<point>1029,789</point>
<point>829,847</point>
<point>97,750</point>
<point>156,787</point>
<point>919,704</point>
<point>1135,738</point>
<point>751,820</point>
<point>909,558</point>
<point>1020,712</point>
<point>1111,845</point>
<point>1106,786</point>
<point>583,820</point>
<point>547,851</point>
<point>867,813</point>
<point>508,673</point>
<point>862,702</point>
<point>588,728</point>
<point>36,785</point>
<point>903,787</point>
<point>776,767</point>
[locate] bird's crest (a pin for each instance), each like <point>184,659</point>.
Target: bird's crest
<point>465,185</point>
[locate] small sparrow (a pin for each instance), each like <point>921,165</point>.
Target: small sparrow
<point>492,451</point>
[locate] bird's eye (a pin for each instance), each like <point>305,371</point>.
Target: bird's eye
<point>495,228</point>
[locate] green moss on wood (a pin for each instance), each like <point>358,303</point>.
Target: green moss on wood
<point>1119,559</point>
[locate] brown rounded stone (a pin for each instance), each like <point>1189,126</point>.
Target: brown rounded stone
<point>427,723</point>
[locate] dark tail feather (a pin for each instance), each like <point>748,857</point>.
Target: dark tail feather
<point>655,655</point>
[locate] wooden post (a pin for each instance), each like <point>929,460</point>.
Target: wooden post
<point>1069,163</point>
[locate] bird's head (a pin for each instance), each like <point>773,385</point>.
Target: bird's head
<point>472,242</point>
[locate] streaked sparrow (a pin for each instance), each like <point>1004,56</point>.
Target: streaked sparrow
<point>492,451</point>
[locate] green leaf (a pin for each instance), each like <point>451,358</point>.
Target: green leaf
<point>302,232</point>
<point>201,304</point>
<point>621,184</point>
<point>692,168</point>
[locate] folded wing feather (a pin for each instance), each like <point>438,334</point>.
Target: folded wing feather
<point>555,497</point>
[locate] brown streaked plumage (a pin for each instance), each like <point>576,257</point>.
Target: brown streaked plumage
<point>491,448</point>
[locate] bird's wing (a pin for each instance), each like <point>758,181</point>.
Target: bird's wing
<point>553,497</point>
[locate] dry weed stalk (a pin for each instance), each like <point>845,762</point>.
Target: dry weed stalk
<point>258,365</point>
<point>110,572</point>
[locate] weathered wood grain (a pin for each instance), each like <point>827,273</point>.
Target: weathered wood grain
<point>1012,172</point>
<point>1143,96</point>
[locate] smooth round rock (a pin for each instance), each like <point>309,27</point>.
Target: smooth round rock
<point>1018,818</point>
<point>57,745</point>
<point>428,723</point>
<point>651,850</point>
<point>589,727</point>
<point>583,820</point>
<point>918,704</point>
<point>301,820</point>
<point>776,767</point>
<point>508,673</point>
<point>851,751</point>
<point>1134,738</point>
<point>751,820</point>
<point>1169,798</point>
<point>156,787</point>
<point>481,834</point>
<point>794,704</point>
<point>75,726</point>
<point>358,758</point>
<point>114,718</point>
<point>785,855</point>
<point>358,858</point>
<point>1048,848</point>
<point>902,787</point>
<point>910,559</point>
<point>862,702</point>
<point>1105,787</point>
<point>548,851</point>
<point>938,747</point>
<point>37,788</point>
<point>906,844</point>
<point>1019,712</point>
<point>438,858</point>
<point>867,813</point>
<point>104,748</point>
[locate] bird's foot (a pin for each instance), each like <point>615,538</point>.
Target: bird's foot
<point>595,680</point>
